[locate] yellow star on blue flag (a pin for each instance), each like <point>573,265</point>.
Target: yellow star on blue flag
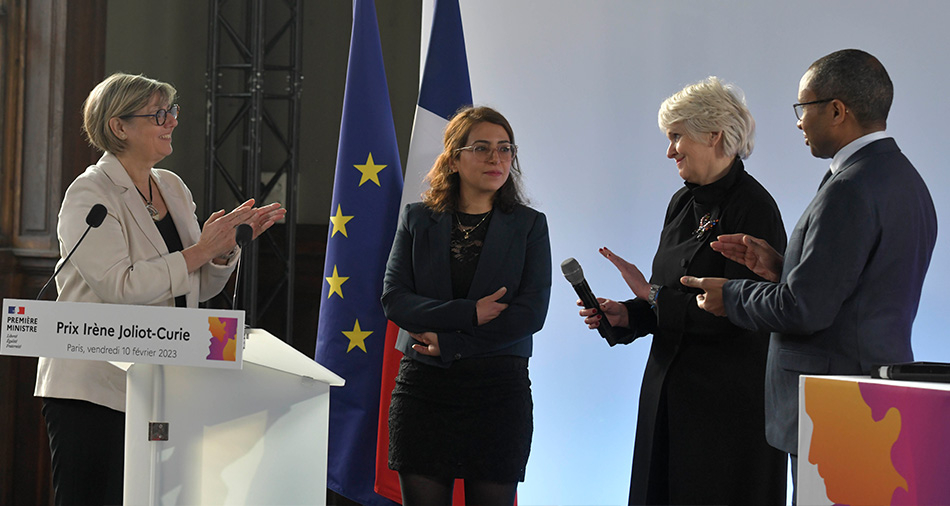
<point>357,337</point>
<point>370,171</point>
<point>336,283</point>
<point>339,221</point>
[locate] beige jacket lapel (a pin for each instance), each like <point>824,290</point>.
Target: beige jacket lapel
<point>132,201</point>
<point>179,206</point>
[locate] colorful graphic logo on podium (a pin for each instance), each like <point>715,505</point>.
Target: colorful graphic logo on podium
<point>879,444</point>
<point>223,338</point>
<point>16,310</point>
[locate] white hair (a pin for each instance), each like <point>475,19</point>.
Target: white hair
<point>711,106</point>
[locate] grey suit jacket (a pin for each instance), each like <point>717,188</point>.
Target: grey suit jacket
<point>851,281</point>
<point>123,261</point>
<point>417,288</point>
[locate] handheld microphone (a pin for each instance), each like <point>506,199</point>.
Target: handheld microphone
<point>94,218</point>
<point>575,275</point>
<point>242,236</point>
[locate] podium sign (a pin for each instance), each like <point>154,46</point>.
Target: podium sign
<point>123,333</point>
<point>872,441</point>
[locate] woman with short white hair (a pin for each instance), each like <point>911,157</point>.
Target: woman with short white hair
<point>701,422</point>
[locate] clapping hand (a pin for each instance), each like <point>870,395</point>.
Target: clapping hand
<point>263,217</point>
<point>634,278</point>
<point>217,236</point>
<point>754,253</point>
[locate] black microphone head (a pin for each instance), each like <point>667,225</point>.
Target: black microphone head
<point>572,271</point>
<point>96,215</point>
<point>243,234</point>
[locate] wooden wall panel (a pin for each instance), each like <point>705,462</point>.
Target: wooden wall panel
<point>11,60</point>
<point>52,53</point>
<point>85,67</point>
<point>39,189</point>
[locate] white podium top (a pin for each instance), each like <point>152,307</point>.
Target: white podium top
<point>264,349</point>
<point>877,381</point>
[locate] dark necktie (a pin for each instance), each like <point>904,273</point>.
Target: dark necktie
<point>825,179</point>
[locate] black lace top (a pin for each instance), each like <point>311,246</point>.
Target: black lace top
<point>468,236</point>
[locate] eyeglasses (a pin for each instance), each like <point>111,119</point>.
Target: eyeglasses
<point>800,108</point>
<point>160,115</point>
<point>483,152</point>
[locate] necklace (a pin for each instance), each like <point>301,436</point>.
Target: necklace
<point>472,229</point>
<point>152,211</point>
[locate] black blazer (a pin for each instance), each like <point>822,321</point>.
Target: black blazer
<point>417,288</point>
<point>850,284</point>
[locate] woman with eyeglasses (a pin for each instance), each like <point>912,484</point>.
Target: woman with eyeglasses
<point>468,282</point>
<point>149,250</point>
<point>700,435</point>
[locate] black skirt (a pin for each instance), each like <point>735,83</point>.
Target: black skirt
<point>472,420</point>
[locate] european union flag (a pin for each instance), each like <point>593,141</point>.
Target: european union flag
<point>363,215</point>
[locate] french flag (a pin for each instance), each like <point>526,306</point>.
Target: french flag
<point>16,310</point>
<point>445,88</point>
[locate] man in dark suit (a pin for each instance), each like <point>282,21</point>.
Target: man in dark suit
<point>846,293</point>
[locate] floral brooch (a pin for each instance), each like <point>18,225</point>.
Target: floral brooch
<point>705,224</point>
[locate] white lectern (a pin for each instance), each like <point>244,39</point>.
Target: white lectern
<point>201,428</point>
<point>251,436</point>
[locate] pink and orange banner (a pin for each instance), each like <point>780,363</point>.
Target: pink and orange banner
<point>865,441</point>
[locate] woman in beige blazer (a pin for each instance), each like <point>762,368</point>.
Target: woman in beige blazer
<point>149,250</point>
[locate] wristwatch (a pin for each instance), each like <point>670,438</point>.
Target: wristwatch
<point>654,291</point>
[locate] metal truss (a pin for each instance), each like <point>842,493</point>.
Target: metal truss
<point>253,117</point>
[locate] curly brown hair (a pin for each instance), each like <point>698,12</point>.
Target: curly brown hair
<point>443,193</point>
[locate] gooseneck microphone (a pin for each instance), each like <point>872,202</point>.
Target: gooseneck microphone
<point>94,218</point>
<point>575,276</point>
<point>242,236</point>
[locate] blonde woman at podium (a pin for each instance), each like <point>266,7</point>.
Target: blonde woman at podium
<point>149,250</point>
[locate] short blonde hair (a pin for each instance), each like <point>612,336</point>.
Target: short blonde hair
<point>711,106</point>
<point>118,95</point>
